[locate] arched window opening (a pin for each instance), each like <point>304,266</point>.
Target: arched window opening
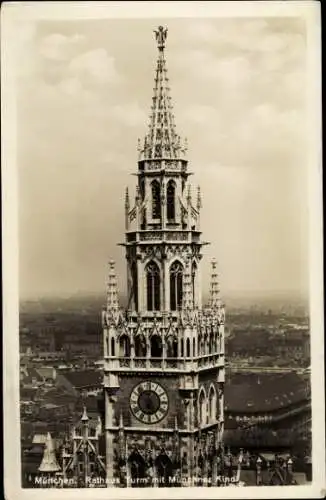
<point>211,343</point>
<point>200,345</point>
<point>156,346</point>
<point>164,470</point>
<point>194,281</point>
<point>153,287</point>
<point>112,347</point>
<point>207,344</point>
<point>172,347</point>
<point>176,273</point>
<point>137,468</point>
<point>140,346</point>
<point>194,347</point>
<point>134,277</point>
<point>170,201</point>
<point>142,189</point>
<point>212,400</point>
<point>188,348</point>
<point>124,347</point>
<point>181,348</point>
<point>202,408</point>
<point>156,200</point>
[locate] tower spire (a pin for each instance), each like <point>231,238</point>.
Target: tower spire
<point>162,140</point>
<point>215,300</point>
<point>112,290</point>
<point>49,461</point>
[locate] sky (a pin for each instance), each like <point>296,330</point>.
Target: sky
<point>238,87</point>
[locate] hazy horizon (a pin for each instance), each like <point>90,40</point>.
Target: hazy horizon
<point>238,91</point>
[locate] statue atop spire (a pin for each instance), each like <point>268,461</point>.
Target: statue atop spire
<point>161,35</point>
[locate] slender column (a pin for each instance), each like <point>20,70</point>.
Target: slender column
<point>189,208</point>
<point>132,348</point>
<point>127,208</point>
<point>198,206</point>
<point>109,411</point>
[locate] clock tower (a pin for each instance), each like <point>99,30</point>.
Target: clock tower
<point>164,354</point>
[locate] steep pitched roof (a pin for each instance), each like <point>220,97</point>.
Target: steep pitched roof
<point>84,378</point>
<point>260,393</point>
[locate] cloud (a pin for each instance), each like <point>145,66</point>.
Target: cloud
<point>94,66</point>
<point>58,47</point>
<point>131,114</point>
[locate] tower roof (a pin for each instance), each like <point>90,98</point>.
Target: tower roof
<point>162,141</point>
<point>49,461</point>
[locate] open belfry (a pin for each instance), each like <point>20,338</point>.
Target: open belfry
<point>164,355</point>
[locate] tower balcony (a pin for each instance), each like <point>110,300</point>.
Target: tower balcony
<point>186,364</point>
<point>165,235</point>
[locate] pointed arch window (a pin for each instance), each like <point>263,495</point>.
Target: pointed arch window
<point>176,275</point>
<point>156,346</point>
<point>194,281</point>
<point>212,401</point>
<point>153,287</point>
<point>134,277</point>
<point>156,200</point>
<point>140,346</point>
<point>170,200</point>
<point>124,347</point>
<point>202,408</point>
<point>188,348</point>
<point>172,347</point>
<point>112,347</point>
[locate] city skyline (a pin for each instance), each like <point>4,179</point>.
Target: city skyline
<point>83,100</point>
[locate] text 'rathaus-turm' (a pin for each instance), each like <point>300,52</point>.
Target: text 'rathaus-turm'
<point>164,356</point>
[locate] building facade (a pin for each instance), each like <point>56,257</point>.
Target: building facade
<point>164,355</point>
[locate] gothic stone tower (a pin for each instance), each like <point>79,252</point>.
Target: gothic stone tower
<point>164,356</point>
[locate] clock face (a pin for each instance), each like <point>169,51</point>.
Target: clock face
<point>149,402</point>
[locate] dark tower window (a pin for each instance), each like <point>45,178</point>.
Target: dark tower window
<point>156,346</point>
<point>153,287</point>
<point>156,200</point>
<point>193,281</point>
<point>124,347</point>
<point>140,346</point>
<point>172,347</point>
<point>170,200</point>
<point>176,272</point>
<point>188,348</point>
<point>112,347</point>
<point>134,277</point>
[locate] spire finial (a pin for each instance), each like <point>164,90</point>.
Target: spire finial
<point>112,289</point>
<point>49,461</point>
<point>160,35</point>
<point>199,202</point>
<point>127,203</point>
<point>215,300</point>
<point>84,415</point>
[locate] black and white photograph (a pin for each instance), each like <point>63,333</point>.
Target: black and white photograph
<point>162,255</point>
